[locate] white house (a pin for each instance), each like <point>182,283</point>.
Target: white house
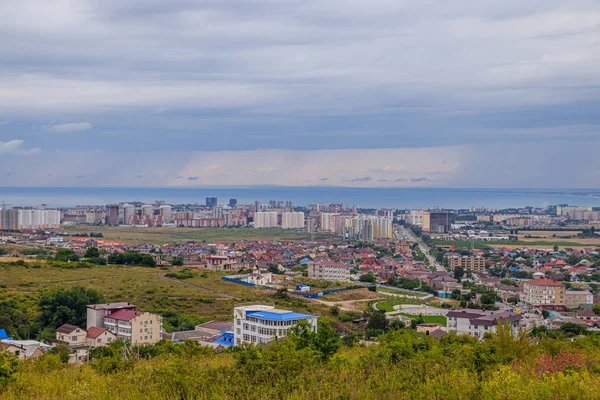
<point>479,322</point>
<point>261,324</point>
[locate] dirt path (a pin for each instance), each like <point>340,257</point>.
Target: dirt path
<point>345,305</point>
<point>223,296</point>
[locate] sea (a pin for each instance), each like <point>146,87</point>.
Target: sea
<point>399,198</point>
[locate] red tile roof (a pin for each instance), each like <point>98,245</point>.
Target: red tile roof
<point>94,332</point>
<point>543,282</point>
<point>124,315</point>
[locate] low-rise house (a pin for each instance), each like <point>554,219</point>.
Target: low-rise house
<point>98,337</point>
<point>588,315</point>
<point>17,350</point>
<point>71,335</point>
<point>479,322</point>
<point>578,298</point>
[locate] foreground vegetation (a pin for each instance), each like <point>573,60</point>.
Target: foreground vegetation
<point>404,365</point>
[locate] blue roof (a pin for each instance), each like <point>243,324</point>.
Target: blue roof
<point>3,334</point>
<point>305,259</point>
<point>273,316</point>
<point>226,339</point>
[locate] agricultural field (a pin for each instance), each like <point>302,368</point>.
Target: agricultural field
<point>156,235</point>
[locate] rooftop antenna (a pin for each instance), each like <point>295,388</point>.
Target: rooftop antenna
<point>4,204</point>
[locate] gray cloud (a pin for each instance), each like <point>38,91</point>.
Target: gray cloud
<point>68,127</point>
<point>421,179</point>
<point>300,75</point>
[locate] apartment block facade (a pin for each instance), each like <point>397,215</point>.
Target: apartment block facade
<point>262,324</point>
<point>544,292</point>
<point>329,271</point>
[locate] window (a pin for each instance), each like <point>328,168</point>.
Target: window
<point>99,340</point>
<point>150,322</point>
<point>74,338</point>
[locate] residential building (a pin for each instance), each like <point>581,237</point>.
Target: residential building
<point>329,270</point>
<point>97,312</point>
<point>112,214</point>
<point>368,227</point>
<point>232,203</point>
<point>166,212</point>
<point>292,220</point>
<point>436,222</point>
<point>544,292</point>
<point>211,201</point>
<point>265,219</point>
<point>416,217</point>
<point>473,263</point>
<point>17,350</point>
<point>578,298</point>
<point>128,213</point>
<point>98,337</point>
<point>479,322</point>
<point>71,335</point>
<point>134,326</point>
<point>29,219</point>
<point>262,324</point>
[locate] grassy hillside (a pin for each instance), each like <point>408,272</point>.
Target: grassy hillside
<point>405,365</point>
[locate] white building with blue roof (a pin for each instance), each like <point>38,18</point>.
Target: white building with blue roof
<point>261,324</point>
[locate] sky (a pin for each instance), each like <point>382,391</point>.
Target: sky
<point>358,93</point>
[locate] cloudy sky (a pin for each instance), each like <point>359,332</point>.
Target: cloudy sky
<point>298,92</point>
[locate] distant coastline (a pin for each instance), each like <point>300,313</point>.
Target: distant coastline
<point>364,197</point>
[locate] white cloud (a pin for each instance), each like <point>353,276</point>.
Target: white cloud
<point>14,146</point>
<point>68,127</point>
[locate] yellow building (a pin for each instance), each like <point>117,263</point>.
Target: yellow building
<point>544,292</point>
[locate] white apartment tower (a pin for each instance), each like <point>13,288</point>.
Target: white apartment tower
<point>292,220</point>
<point>265,219</point>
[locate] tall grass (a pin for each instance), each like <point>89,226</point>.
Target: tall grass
<point>405,365</point>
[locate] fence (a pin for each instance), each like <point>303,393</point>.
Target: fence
<point>306,295</point>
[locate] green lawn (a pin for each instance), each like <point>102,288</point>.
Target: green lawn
<point>429,319</point>
<point>400,292</point>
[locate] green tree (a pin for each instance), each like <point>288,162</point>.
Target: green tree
<point>377,320</point>
<point>62,306</point>
<point>9,364</point>
<point>63,352</point>
<point>66,255</point>
<point>368,278</point>
<point>177,261</point>
<point>324,341</point>
<point>92,252</point>
<point>458,273</point>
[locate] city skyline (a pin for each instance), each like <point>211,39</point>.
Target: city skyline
<point>401,94</point>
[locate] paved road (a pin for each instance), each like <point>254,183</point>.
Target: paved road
<point>404,233</point>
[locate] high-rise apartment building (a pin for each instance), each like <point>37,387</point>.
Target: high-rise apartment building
<point>9,219</point>
<point>211,201</point>
<point>368,227</point>
<point>128,213</point>
<point>436,222</point>
<point>232,202</point>
<point>416,217</point>
<point>29,219</point>
<point>292,220</point>
<point>112,214</point>
<point>167,214</point>
<point>265,219</point>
